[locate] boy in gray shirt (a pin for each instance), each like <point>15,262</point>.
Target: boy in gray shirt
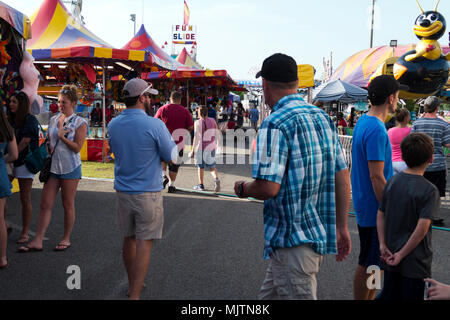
<point>404,223</point>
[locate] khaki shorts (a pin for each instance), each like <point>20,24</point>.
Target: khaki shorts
<point>291,274</point>
<point>140,215</point>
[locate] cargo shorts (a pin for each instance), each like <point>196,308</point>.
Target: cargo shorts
<point>140,215</point>
<point>291,274</point>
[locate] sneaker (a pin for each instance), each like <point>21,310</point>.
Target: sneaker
<point>216,185</point>
<point>165,181</point>
<point>199,187</point>
<point>172,189</point>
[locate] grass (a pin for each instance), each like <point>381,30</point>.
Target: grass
<point>93,169</point>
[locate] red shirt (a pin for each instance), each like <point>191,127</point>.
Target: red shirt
<point>54,108</point>
<point>175,117</point>
<point>342,123</point>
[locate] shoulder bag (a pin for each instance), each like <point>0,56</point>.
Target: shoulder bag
<point>35,159</point>
<point>44,175</point>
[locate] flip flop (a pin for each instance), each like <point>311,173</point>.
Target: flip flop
<point>64,247</point>
<point>23,240</point>
<point>26,249</point>
<point>5,266</point>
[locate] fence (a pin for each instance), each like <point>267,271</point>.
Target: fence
<point>346,142</point>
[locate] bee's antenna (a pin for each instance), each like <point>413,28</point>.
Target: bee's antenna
<point>420,6</point>
<point>437,5</point>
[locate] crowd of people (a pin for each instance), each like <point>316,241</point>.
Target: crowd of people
<point>397,179</point>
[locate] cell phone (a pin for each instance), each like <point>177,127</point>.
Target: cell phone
<point>425,293</point>
<point>64,127</point>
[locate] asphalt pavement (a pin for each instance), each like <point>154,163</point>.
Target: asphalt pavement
<point>212,248</point>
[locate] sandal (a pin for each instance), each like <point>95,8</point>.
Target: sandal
<point>5,266</point>
<point>26,249</point>
<point>23,239</point>
<point>62,247</point>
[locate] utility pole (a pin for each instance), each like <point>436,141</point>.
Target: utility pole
<point>371,28</point>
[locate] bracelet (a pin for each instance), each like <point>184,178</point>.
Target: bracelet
<point>241,189</point>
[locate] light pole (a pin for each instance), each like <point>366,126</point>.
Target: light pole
<point>393,45</point>
<point>371,27</point>
<point>133,18</point>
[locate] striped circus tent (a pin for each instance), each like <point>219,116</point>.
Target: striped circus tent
<point>185,59</point>
<point>358,69</point>
<point>16,19</point>
<point>58,35</point>
<point>143,41</point>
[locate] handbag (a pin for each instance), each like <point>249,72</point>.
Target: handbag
<point>44,175</point>
<point>34,161</point>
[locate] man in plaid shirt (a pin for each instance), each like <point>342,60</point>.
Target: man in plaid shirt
<point>301,174</point>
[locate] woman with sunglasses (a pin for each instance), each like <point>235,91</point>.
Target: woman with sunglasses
<point>7,142</point>
<point>26,128</point>
<point>67,133</point>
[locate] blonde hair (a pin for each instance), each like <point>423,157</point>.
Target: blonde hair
<point>70,91</point>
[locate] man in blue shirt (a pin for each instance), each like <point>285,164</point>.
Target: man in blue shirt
<point>371,168</point>
<point>139,142</point>
<point>300,172</point>
<point>254,117</point>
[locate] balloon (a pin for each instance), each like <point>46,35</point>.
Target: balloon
<point>30,77</point>
<point>425,70</point>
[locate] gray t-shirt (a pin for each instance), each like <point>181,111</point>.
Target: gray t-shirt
<point>439,131</point>
<point>406,199</point>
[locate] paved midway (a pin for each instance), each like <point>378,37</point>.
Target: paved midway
<point>212,248</point>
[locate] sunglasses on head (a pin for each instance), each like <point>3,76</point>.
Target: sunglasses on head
<point>64,91</point>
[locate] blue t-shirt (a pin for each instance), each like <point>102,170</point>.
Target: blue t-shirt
<point>253,115</point>
<point>139,143</point>
<point>212,113</point>
<point>370,143</point>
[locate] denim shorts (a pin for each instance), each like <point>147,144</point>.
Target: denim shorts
<point>205,158</point>
<point>75,174</point>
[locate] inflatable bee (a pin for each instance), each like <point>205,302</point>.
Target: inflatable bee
<point>425,70</point>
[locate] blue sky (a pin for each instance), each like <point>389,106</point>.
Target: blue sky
<point>237,35</point>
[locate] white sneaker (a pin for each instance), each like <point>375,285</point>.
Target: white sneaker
<point>216,185</point>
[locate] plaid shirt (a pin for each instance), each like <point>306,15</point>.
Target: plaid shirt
<point>298,147</point>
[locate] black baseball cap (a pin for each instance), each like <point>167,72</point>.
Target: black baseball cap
<point>279,68</point>
<point>381,87</point>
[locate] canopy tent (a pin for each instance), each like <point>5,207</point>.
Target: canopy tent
<point>16,19</point>
<point>339,91</point>
<point>358,69</point>
<point>211,77</point>
<point>185,59</point>
<point>57,35</point>
<point>143,41</point>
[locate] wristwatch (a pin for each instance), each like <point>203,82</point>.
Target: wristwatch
<point>240,192</point>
